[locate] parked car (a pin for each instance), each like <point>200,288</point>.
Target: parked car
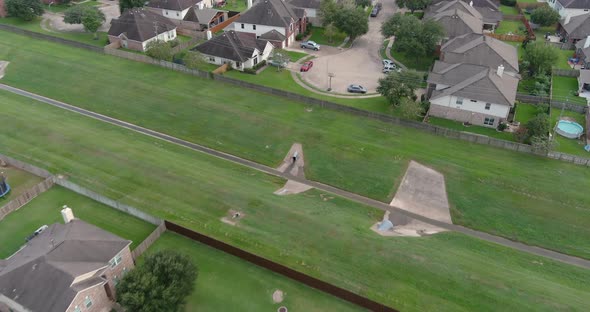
<point>306,66</point>
<point>37,232</point>
<point>353,88</point>
<point>277,63</point>
<point>375,12</point>
<point>388,62</point>
<point>310,45</point>
<point>391,67</point>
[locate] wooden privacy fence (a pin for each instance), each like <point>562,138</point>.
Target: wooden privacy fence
<point>280,269</point>
<point>148,241</point>
<point>25,197</point>
<point>507,37</point>
<point>565,72</point>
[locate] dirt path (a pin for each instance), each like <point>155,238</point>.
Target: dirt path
<point>3,65</point>
<point>293,164</point>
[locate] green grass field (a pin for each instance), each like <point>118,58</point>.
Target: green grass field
<point>19,182</point>
<point>420,63</point>
<point>509,27</point>
<point>321,235</point>
<point>564,56</point>
<point>45,209</point>
<point>295,56</point>
<point>352,153</point>
<point>456,125</point>
<point>565,145</point>
<point>228,283</point>
<point>508,10</point>
<point>525,112</point>
<point>317,35</point>
<point>564,90</point>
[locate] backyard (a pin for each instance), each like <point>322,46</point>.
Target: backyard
<point>353,153</point>
<point>317,35</point>
<point>510,27</point>
<point>45,210</point>
<point>526,112</point>
<point>195,190</point>
<point>228,283</point>
<point>456,125</point>
<point>508,10</point>
<point>19,182</point>
<point>564,90</point>
<point>565,145</point>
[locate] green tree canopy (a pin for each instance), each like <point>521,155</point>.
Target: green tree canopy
<point>74,14</point>
<point>160,50</point>
<point>412,35</point>
<point>410,109</point>
<point>537,127</point>
<point>413,5</point>
<point>130,4</point>
<point>399,85</point>
<point>351,21</point>
<point>545,16</point>
<point>26,10</point>
<point>160,283</point>
<point>193,59</point>
<point>92,18</point>
<point>539,58</point>
<point>327,11</point>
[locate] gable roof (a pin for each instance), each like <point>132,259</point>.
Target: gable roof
<point>473,82</point>
<point>273,35</point>
<point>40,275</point>
<point>307,4</point>
<point>480,50</point>
<point>489,15</point>
<point>232,45</point>
<point>270,13</point>
<point>456,22</point>
<point>453,5</point>
<point>578,26</point>
<point>202,16</point>
<point>492,4</point>
<point>585,50</point>
<point>140,24</point>
<point>176,5</point>
<point>575,4</point>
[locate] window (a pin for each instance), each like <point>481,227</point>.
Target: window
<point>238,64</point>
<point>488,105</point>
<point>488,121</point>
<point>116,260</point>
<point>242,26</point>
<point>254,27</point>
<point>177,14</point>
<point>255,60</point>
<point>212,59</point>
<point>87,302</point>
<point>474,101</point>
<point>459,101</point>
<point>166,12</point>
<point>77,309</point>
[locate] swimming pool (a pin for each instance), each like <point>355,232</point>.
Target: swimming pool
<point>569,129</point>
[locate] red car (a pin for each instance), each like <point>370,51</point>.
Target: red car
<point>306,66</point>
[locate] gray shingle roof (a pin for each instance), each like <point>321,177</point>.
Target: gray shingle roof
<point>580,46</point>
<point>307,4</point>
<point>140,24</point>
<point>202,16</point>
<point>456,17</point>
<point>575,4</point>
<point>480,50</point>
<point>232,45</point>
<point>578,26</point>
<point>473,82</point>
<point>176,5</point>
<point>273,35</point>
<point>489,16</point>
<point>270,13</point>
<point>443,6</point>
<point>492,4</point>
<point>40,275</point>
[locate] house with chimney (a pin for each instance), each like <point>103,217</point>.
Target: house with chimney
<point>570,7</point>
<point>70,267</point>
<point>271,15</point>
<point>137,27</point>
<point>237,49</point>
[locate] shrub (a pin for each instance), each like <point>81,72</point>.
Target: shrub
<point>502,126</point>
<point>508,2</point>
<point>173,43</point>
<point>299,37</point>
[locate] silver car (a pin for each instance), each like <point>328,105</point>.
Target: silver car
<point>310,45</point>
<point>353,88</point>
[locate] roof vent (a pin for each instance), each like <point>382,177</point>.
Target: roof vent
<point>500,71</point>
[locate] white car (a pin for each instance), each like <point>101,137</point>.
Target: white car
<point>388,62</point>
<point>391,67</point>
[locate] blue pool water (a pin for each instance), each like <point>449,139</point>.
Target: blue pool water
<point>569,129</point>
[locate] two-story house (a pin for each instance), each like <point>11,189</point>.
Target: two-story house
<point>137,27</point>
<point>268,15</point>
<point>176,9</point>
<point>484,11</point>
<point>69,267</point>
<point>570,7</point>
<point>470,93</point>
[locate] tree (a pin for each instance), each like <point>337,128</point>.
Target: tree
<point>74,14</point>
<point>92,19</point>
<point>351,21</point>
<point>412,35</point>
<point>26,10</point>
<point>280,57</point>
<point>362,3</point>
<point>410,109</point>
<point>160,50</point>
<point>329,31</point>
<point>538,127</point>
<point>413,5</point>
<point>545,16</point>
<point>193,60</point>
<point>160,283</point>
<point>539,58</point>
<point>327,11</point>
<point>399,85</point>
<point>543,144</point>
<point>130,4</point>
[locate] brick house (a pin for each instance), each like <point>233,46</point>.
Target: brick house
<point>268,15</point>
<point>2,9</point>
<point>71,267</point>
<point>137,27</point>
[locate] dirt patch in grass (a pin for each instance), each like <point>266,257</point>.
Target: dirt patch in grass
<point>294,164</point>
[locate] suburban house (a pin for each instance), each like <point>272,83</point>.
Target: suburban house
<point>311,8</point>
<point>583,52</point>
<point>2,9</point>
<point>268,15</point>
<point>137,27</point>
<point>176,9</point>
<point>201,19</point>
<point>574,28</point>
<point>481,50</point>
<point>492,4</point>
<point>69,267</point>
<point>470,93</point>
<point>239,50</point>
<point>474,19</point>
<point>570,7</point>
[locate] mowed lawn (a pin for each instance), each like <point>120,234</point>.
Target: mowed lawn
<point>565,145</point>
<point>319,234</point>
<point>499,191</point>
<point>564,90</point>
<point>457,125</point>
<point>228,283</point>
<point>19,181</point>
<point>526,112</point>
<point>46,210</point>
<point>318,35</point>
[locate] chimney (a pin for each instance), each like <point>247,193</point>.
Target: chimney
<point>587,42</point>
<point>567,19</point>
<point>209,35</point>
<point>200,5</point>
<point>249,5</point>
<point>67,214</point>
<point>500,70</point>
<point>471,4</point>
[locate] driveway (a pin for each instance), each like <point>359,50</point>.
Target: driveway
<point>360,64</point>
<point>54,21</point>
